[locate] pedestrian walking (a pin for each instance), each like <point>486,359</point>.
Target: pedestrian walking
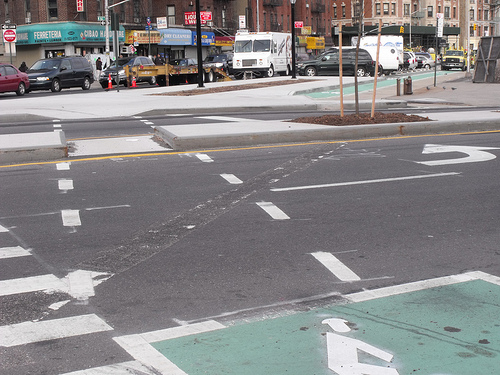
<point>23,68</point>
<point>98,67</point>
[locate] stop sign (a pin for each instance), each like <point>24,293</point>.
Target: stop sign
<point>9,35</point>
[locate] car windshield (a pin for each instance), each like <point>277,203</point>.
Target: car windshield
<point>455,53</point>
<point>121,62</point>
<point>261,45</point>
<point>243,46</point>
<point>216,58</point>
<point>46,65</point>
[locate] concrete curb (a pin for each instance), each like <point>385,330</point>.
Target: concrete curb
<point>16,148</point>
<point>192,137</point>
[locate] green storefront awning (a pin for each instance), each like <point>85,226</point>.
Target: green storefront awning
<point>65,32</point>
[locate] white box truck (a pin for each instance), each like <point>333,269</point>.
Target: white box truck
<point>389,43</point>
<point>262,54</point>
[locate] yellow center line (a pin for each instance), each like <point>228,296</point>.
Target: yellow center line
<point>98,158</point>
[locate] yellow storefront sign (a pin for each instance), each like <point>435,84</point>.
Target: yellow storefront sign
<point>315,42</point>
<point>142,37</point>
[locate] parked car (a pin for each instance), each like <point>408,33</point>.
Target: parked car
<point>328,63</point>
<point>60,72</point>
<point>424,60</point>
<point>118,66</point>
<point>184,62</point>
<point>13,80</point>
<point>410,61</point>
<point>223,61</point>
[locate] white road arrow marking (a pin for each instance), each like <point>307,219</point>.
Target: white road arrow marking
<point>475,154</point>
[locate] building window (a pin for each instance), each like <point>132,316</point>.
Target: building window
<point>471,30</point>
<point>471,14</point>
<point>335,11</point>
<point>446,12</point>
<point>407,9</point>
<point>393,9</point>
<point>386,8</point>
<point>439,8</point>
<point>486,31</point>
<point>486,15</point>
<point>170,15</point>
<point>377,9</point>
<point>224,18</point>
<point>454,12</point>
<point>99,8</point>
<point>343,11</point>
<point>52,9</point>
<point>430,11</point>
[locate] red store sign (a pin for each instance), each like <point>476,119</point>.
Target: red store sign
<point>79,5</point>
<point>190,18</point>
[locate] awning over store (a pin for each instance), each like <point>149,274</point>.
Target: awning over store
<point>207,38</point>
<point>142,37</point>
<point>176,37</point>
<point>64,32</point>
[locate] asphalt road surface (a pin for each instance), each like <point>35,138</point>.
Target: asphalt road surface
<point>142,244</point>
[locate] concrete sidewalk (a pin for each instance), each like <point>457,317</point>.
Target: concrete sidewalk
<point>452,90</point>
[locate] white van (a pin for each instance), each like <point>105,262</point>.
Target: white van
<point>394,41</point>
<point>388,57</point>
<point>262,53</point>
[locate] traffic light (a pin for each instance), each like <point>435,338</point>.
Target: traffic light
<point>475,26</point>
<point>401,30</point>
<point>115,21</point>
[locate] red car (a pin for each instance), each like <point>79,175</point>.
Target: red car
<point>13,80</point>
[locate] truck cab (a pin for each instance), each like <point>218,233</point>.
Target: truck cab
<point>454,59</point>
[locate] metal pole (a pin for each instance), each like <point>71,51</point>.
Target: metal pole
<point>106,31</point>
<point>376,69</point>
<point>341,72</point>
<point>436,62</point>
<point>258,19</point>
<point>198,45</point>
<point>293,41</point>
<point>468,41</point>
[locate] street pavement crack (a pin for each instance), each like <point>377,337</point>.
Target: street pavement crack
<point>155,239</point>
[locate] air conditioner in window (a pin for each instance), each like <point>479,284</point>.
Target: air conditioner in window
<point>27,20</point>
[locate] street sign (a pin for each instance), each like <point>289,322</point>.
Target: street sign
<point>79,6</point>
<point>9,35</point>
<point>440,24</point>
<point>101,18</point>
<point>242,22</point>
<point>299,24</point>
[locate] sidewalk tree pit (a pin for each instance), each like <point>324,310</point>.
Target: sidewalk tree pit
<point>361,119</point>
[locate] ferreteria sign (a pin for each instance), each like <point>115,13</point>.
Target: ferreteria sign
<point>64,32</point>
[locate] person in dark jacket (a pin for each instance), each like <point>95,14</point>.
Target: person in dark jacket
<point>23,67</point>
<point>98,67</point>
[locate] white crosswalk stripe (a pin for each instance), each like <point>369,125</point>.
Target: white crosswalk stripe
<point>30,332</point>
<point>13,252</point>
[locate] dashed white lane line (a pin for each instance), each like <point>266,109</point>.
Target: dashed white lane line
<point>273,211</point>
<point>71,218</point>
<point>335,266</point>
<point>366,181</point>
<point>30,332</point>
<point>231,178</point>
<point>65,184</point>
<point>205,158</point>
<point>13,252</point>
<point>63,166</point>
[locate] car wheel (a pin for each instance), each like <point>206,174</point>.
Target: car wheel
<point>270,71</point>
<point>86,83</point>
<point>210,76</point>
<point>427,66</point>
<point>21,89</point>
<point>361,72</point>
<point>311,71</point>
<point>56,85</point>
<point>152,81</point>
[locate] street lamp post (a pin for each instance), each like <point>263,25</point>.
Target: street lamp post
<point>293,38</point>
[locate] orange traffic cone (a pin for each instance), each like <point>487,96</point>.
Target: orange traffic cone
<point>134,84</point>
<point>110,83</point>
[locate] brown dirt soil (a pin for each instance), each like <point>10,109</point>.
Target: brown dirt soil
<point>362,118</point>
<point>334,120</point>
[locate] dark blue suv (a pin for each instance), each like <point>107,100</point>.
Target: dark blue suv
<point>61,72</point>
